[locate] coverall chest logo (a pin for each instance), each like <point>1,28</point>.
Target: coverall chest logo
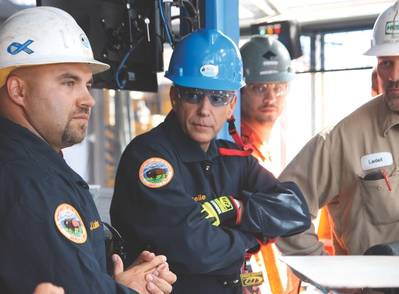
<point>70,224</point>
<point>155,172</point>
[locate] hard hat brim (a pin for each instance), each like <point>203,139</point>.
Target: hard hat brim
<point>284,77</point>
<point>95,66</point>
<point>383,50</point>
<point>210,84</point>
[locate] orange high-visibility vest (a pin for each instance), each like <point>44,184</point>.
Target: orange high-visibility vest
<point>272,271</point>
<point>324,231</point>
<point>266,256</point>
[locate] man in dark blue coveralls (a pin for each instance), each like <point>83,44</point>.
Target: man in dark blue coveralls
<point>49,226</point>
<point>202,202</point>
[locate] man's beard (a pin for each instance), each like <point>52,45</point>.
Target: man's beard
<point>261,118</point>
<point>392,102</point>
<point>392,97</point>
<point>265,118</point>
<point>72,136</point>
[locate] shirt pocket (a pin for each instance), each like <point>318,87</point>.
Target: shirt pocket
<point>381,199</point>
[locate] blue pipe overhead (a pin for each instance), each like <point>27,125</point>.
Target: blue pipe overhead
<point>223,16</point>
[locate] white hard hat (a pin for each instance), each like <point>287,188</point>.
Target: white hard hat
<point>43,35</point>
<point>385,40</point>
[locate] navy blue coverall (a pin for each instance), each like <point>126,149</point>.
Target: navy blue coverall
<point>37,190</point>
<point>167,218</point>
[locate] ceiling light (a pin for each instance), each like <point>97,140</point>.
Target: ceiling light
<point>245,13</point>
<point>263,5</point>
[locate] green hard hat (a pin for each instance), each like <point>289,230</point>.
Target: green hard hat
<point>265,59</point>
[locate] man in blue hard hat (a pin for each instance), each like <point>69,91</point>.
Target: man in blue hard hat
<point>203,202</point>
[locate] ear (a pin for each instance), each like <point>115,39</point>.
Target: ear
<point>173,96</point>
<point>231,106</point>
<point>16,89</point>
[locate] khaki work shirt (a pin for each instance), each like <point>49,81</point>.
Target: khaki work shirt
<point>329,172</point>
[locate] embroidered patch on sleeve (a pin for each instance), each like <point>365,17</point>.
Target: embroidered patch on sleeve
<point>155,172</point>
<point>70,224</point>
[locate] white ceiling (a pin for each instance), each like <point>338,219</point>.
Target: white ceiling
<point>306,11</point>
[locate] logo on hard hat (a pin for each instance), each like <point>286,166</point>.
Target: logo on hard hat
<point>209,70</point>
<point>84,40</point>
<point>269,55</point>
<point>392,28</point>
<point>14,48</point>
<point>270,63</point>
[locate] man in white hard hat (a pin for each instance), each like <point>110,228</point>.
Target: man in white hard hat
<point>50,227</point>
<point>352,168</point>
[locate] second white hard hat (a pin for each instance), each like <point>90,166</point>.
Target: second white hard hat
<point>43,35</point>
<point>385,40</point>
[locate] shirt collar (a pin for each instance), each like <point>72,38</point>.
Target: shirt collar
<point>188,149</point>
<point>249,135</point>
<point>386,117</point>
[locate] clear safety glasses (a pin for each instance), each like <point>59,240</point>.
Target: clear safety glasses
<point>277,89</point>
<point>195,96</point>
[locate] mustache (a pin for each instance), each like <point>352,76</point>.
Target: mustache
<point>264,105</point>
<point>392,85</point>
<point>82,110</point>
<point>202,122</point>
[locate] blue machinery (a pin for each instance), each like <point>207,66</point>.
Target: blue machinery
<point>223,15</point>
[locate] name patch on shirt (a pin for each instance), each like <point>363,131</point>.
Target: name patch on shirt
<point>155,172</point>
<point>199,198</point>
<point>70,224</point>
<point>94,225</point>
<point>376,160</point>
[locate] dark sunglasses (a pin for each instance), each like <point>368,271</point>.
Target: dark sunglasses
<point>195,96</point>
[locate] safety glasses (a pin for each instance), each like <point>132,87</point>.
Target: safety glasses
<point>195,96</point>
<point>277,89</point>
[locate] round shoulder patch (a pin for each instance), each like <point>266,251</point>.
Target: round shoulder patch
<point>70,224</point>
<point>155,172</point>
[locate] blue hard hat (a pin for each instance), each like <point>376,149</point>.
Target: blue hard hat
<point>206,59</point>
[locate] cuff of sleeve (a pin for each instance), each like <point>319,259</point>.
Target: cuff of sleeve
<point>265,240</point>
<point>255,249</point>
<point>237,208</point>
<point>261,243</point>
